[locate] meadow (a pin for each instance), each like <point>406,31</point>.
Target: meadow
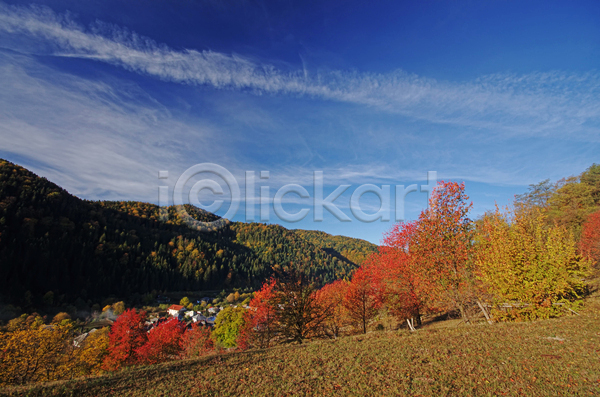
<point>541,358</point>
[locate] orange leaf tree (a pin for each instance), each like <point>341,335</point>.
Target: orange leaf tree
<point>91,354</point>
<point>332,296</point>
<point>441,245</point>
<point>259,320</point>
<point>589,245</point>
<point>363,297</point>
<point>197,342</point>
<point>403,287</point>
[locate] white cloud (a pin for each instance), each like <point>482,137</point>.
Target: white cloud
<point>535,104</point>
<point>95,139</point>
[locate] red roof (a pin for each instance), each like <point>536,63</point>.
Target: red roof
<point>175,307</point>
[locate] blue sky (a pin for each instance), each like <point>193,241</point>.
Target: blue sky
<point>99,96</point>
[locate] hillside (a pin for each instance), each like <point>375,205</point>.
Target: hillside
<point>87,250</point>
<point>556,357</point>
<point>355,250</point>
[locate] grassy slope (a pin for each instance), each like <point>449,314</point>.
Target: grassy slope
<point>553,357</point>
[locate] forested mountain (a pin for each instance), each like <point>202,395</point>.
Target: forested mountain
<point>355,250</point>
<point>53,241</point>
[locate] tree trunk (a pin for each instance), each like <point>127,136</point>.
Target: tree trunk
<point>463,313</point>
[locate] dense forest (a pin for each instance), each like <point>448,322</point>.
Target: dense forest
<point>53,241</point>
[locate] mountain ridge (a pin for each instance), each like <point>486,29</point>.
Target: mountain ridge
<point>53,241</point>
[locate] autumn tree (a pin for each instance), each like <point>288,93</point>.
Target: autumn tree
<point>197,342</point>
<point>37,353</point>
<point>60,317</point>
<point>404,288</point>
<point>441,247</point>
<point>525,264</point>
<point>126,336</point>
<point>25,322</point>
<point>298,312</point>
<point>228,325</point>
<point>574,199</point>
<point>165,342</point>
<point>589,245</point>
<point>91,354</point>
<point>185,301</point>
<point>118,308</point>
<point>259,321</point>
<point>332,296</point>
<point>363,297</point>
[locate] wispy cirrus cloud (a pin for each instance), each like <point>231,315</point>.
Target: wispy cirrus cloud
<point>98,140</point>
<point>533,104</point>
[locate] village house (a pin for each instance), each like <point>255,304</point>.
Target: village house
<point>213,310</point>
<point>175,310</point>
<point>199,318</point>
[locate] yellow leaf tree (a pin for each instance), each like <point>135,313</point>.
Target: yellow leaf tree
<point>90,355</point>
<point>528,267</point>
<point>40,353</point>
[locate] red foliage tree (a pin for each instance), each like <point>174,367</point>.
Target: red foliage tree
<point>332,296</point>
<point>258,329</point>
<point>126,336</point>
<point>165,342</point>
<point>403,287</point>
<point>363,297</point>
<point>589,245</point>
<point>197,342</point>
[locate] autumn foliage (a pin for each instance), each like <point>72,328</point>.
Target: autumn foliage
<point>589,245</point>
<point>127,336</point>
<point>197,342</point>
<point>517,264</point>
<point>164,343</point>
<point>363,297</point>
<point>36,354</point>
<point>441,248</point>
<point>91,354</point>
<point>404,287</point>
<point>529,268</point>
<point>333,296</point>
<point>259,321</point>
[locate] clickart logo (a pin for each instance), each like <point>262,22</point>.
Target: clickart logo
<point>183,194</point>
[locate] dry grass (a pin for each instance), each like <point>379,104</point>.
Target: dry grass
<point>543,358</point>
